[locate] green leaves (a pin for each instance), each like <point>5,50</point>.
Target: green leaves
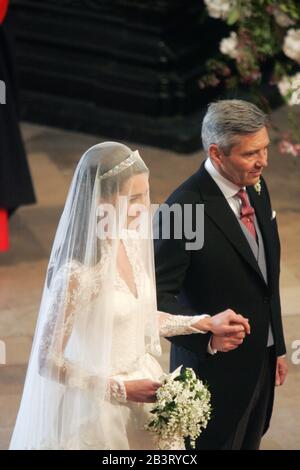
<point>291,8</point>
<point>233,16</point>
<point>186,375</point>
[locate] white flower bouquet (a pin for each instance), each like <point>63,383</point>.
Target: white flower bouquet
<point>263,47</point>
<point>182,410</point>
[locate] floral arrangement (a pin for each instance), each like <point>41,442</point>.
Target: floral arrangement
<point>263,43</point>
<point>182,410</point>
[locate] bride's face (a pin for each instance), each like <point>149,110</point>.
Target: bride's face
<point>136,190</point>
<point>133,196</point>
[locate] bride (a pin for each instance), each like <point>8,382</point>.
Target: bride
<point>92,374</point>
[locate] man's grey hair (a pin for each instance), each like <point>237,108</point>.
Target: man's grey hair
<point>226,120</point>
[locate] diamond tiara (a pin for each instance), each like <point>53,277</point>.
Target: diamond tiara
<point>121,166</point>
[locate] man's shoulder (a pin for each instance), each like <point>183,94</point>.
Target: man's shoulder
<point>187,193</point>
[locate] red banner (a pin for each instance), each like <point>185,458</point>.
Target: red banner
<point>4,242</point>
<point>3,9</point>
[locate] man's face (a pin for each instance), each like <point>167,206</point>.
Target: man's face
<point>247,159</point>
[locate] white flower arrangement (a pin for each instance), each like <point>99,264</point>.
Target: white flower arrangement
<point>289,87</point>
<point>229,46</point>
<point>220,8</point>
<point>291,44</point>
<point>182,410</point>
<point>262,47</point>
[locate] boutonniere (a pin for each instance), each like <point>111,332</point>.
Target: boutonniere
<point>257,187</point>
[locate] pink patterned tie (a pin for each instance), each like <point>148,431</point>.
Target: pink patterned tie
<point>247,212</point>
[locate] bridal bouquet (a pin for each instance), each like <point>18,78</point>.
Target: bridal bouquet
<point>182,410</point>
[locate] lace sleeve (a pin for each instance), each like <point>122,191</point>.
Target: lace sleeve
<point>57,331</point>
<point>174,325</point>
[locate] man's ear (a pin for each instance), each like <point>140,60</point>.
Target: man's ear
<point>215,154</point>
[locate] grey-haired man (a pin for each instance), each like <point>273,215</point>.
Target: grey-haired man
<point>237,268</point>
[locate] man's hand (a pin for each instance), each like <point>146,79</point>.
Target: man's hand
<point>281,371</point>
<point>227,343</point>
<point>229,330</point>
<point>228,323</point>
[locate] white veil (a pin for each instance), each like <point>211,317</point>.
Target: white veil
<point>66,392</point>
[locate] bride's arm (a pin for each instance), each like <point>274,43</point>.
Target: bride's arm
<point>54,365</point>
<point>56,334</point>
<point>224,323</point>
<point>175,325</point>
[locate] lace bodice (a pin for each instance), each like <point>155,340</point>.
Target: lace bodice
<point>129,321</point>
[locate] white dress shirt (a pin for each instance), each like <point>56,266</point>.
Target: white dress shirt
<point>228,188</point>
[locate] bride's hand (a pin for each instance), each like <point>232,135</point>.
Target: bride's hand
<point>142,391</point>
<point>227,323</point>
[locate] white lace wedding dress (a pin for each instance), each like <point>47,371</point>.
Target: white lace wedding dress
<point>121,422</point>
<point>98,324</point>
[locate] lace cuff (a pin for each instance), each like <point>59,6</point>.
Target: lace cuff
<point>118,390</point>
<point>174,325</point>
<point>76,377</point>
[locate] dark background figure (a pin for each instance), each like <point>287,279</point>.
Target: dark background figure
<point>16,187</point>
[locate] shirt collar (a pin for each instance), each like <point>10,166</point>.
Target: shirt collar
<point>228,188</point>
